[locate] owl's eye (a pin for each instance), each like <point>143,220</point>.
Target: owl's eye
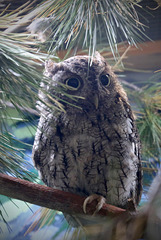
<point>73,83</point>
<point>105,80</point>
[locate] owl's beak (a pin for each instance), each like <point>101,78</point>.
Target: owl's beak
<point>96,100</point>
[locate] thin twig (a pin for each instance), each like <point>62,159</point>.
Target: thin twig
<point>131,85</point>
<point>122,57</point>
<point>24,109</point>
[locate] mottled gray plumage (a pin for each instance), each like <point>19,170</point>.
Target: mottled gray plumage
<point>94,148</point>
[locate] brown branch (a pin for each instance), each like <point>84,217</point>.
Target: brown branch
<point>125,226</point>
<point>51,198</point>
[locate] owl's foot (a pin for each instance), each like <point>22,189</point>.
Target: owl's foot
<point>101,200</point>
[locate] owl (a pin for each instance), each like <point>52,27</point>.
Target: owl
<point>92,145</point>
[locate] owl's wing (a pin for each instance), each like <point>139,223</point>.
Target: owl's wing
<point>42,148</point>
<point>135,140</point>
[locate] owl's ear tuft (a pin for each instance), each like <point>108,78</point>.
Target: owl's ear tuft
<point>99,56</point>
<point>49,65</point>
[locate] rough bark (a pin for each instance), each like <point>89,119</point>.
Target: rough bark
<point>124,225</point>
<point>51,198</point>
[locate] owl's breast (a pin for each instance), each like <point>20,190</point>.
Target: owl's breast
<point>94,155</point>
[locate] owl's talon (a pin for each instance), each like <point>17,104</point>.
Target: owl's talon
<point>101,200</point>
<point>86,201</point>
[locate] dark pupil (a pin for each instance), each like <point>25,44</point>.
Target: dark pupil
<point>73,82</point>
<point>104,80</point>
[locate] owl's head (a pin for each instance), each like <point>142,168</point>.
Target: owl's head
<point>91,85</point>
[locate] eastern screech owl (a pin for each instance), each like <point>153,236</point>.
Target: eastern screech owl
<point>92,147</point>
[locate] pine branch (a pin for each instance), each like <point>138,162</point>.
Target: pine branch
<point>51,198</point>
<point>124,225</point>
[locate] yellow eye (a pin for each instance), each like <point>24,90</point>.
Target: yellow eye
<point>73,83</point>
<point>105,80</point>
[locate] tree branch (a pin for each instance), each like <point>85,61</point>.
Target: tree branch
<point>51,198</point>
<point>124,227</point>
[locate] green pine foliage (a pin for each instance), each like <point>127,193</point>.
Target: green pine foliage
<point>81,24</point>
